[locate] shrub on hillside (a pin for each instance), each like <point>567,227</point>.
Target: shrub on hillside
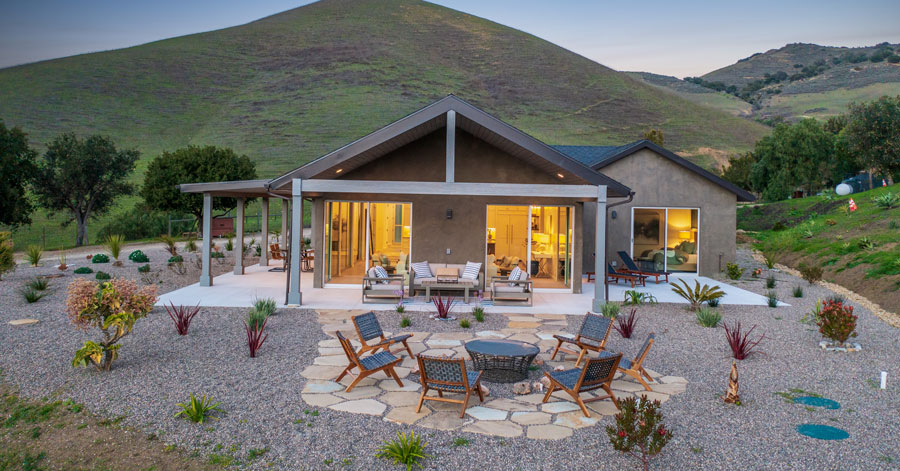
<point>811,273</point>
<point>837,321</point>
<point>887,200</point>
<point>102,276</point>
<point>83,271</point>
<point>7,261</point>
<point>639,429</point>
<point>113,308</point>
<point>100,258</point>
<point>138,257</point>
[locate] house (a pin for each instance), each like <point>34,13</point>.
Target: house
<point>449,184</point>
<point>681,217</point>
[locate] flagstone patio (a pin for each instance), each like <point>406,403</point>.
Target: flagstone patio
<point>506,416</point>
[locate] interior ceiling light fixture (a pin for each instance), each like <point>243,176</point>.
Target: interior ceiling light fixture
<point>339,170</point>
<point>560,175</point>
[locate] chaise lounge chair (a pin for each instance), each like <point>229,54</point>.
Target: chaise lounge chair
<point>634,368</point>
<point>613,275</point>
<point>592,336</point>
<point>368,328</point>
<point>597,373</point>
<point>447,375</point>
<point>631,267</point>
<point>381,361</point>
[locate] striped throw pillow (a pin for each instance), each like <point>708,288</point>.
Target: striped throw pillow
<point>515,274</point>
<point>422,269</point>
<point>471,271</point>
<point>380,272</point>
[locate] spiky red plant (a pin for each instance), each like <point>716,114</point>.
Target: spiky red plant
<point>625,324</point>
<point>741,344</point>
<point>443,308</point>
<point>255,337</point>
<point>182,316</point>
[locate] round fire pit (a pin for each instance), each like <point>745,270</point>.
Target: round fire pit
<point>502,361</point>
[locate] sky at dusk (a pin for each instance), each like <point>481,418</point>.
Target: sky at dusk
<point>683,38</point>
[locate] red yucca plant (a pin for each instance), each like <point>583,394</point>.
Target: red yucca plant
<point>255,337</point>
<point>625,324</point>
<point>741,344</point>
<point>182,316</point>
<point>443,307</point>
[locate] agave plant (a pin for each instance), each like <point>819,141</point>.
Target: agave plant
<point>887,200</point>
<point>697,295</point>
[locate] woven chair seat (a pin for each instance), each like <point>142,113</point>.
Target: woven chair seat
<point>473,376</point>
<point>564,338</point>
<point>377,360</point>
<point>623,363</point>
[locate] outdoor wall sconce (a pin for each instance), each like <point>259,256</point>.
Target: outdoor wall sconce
<point>614,214</point>
<point>449,214</point>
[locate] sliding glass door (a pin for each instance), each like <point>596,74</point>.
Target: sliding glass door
<point>537,239</point>
<point>359,235</point>
<point>666,239</point>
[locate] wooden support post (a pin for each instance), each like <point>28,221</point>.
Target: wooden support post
<point>264,234</point>
<point>239,235</point>
<point>600,252</point>
<point>206,249</point>
<point>285,217</point>
<point>294,295</point>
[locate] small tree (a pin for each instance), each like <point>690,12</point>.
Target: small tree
<point>639,431</point>
<point>193,164</point>
<point>113,307</point>
<point>837,321</point>
<point>16,169</point>
<point>655,135</point>
<point>738,170</point>
<point>873,133</point>
<point>7,262</point>
<point>83,177</point>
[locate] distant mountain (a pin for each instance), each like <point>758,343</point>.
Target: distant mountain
<point>800,80</point>
<point>293,86</point>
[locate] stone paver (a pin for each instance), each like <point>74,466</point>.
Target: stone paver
<point>501,429</point>
<point>531,418</point>
<point>485,413</point>
<point>363,406</point>
<point>548,432</point>
<point>504,416</point>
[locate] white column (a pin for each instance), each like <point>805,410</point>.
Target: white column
<point>239,235</point>
<point>451,146</point>
<point>294,296</point>
<point>600,251</point>
<point>264,242</point>
<point>206,249</point>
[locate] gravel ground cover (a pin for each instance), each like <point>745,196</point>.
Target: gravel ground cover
<point>261,396</point>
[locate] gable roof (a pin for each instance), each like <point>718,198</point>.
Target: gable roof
<point>598,157</point>
<point>468,118</point>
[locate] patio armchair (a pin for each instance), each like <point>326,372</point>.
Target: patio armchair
<point>447,375</point>
<point>597,373</point>
<point>635,368</point>
<point>277,253</point>
<point>613,275</point>
<point>591,336</point>
<point>507,292</point>
<point>381,361</point>
<point>631,267</point>
<point>377,290</point>
<point>368,328</point>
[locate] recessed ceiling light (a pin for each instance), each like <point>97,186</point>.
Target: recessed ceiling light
<point>560,175</point>
<point>339,170</point>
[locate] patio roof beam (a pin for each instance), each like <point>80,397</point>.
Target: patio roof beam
<point>586,192</point>
<point>451,146</point>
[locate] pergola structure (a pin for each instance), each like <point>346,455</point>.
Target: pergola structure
<point>321,178</point>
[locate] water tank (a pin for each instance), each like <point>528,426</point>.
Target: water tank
<point>843,189</point>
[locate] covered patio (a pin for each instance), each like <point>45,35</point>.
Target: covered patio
<point>258,282</point>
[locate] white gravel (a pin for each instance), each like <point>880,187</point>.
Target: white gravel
<point>158,368</point>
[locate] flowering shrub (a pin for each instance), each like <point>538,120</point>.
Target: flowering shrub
<point>113,307</point>
<point>639,430</point>
<point>755,273</point>
<point>837,321</point>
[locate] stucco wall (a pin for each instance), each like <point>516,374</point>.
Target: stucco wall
<point>659,182</point>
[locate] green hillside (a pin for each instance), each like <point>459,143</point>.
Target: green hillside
<point>859,250</point>
<point>696,93</point>
<point>290,87</point>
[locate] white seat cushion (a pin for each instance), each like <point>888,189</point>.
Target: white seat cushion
<point>509,289</point>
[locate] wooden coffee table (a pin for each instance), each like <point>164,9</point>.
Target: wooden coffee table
<point>441,285</point>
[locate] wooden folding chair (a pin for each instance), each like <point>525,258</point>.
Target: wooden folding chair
<point>447,375</point>
<point>592,336</point>
<point>368,328</point>
<point>597,373</point>
<point>381,361</point>
<point>635,368</point>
